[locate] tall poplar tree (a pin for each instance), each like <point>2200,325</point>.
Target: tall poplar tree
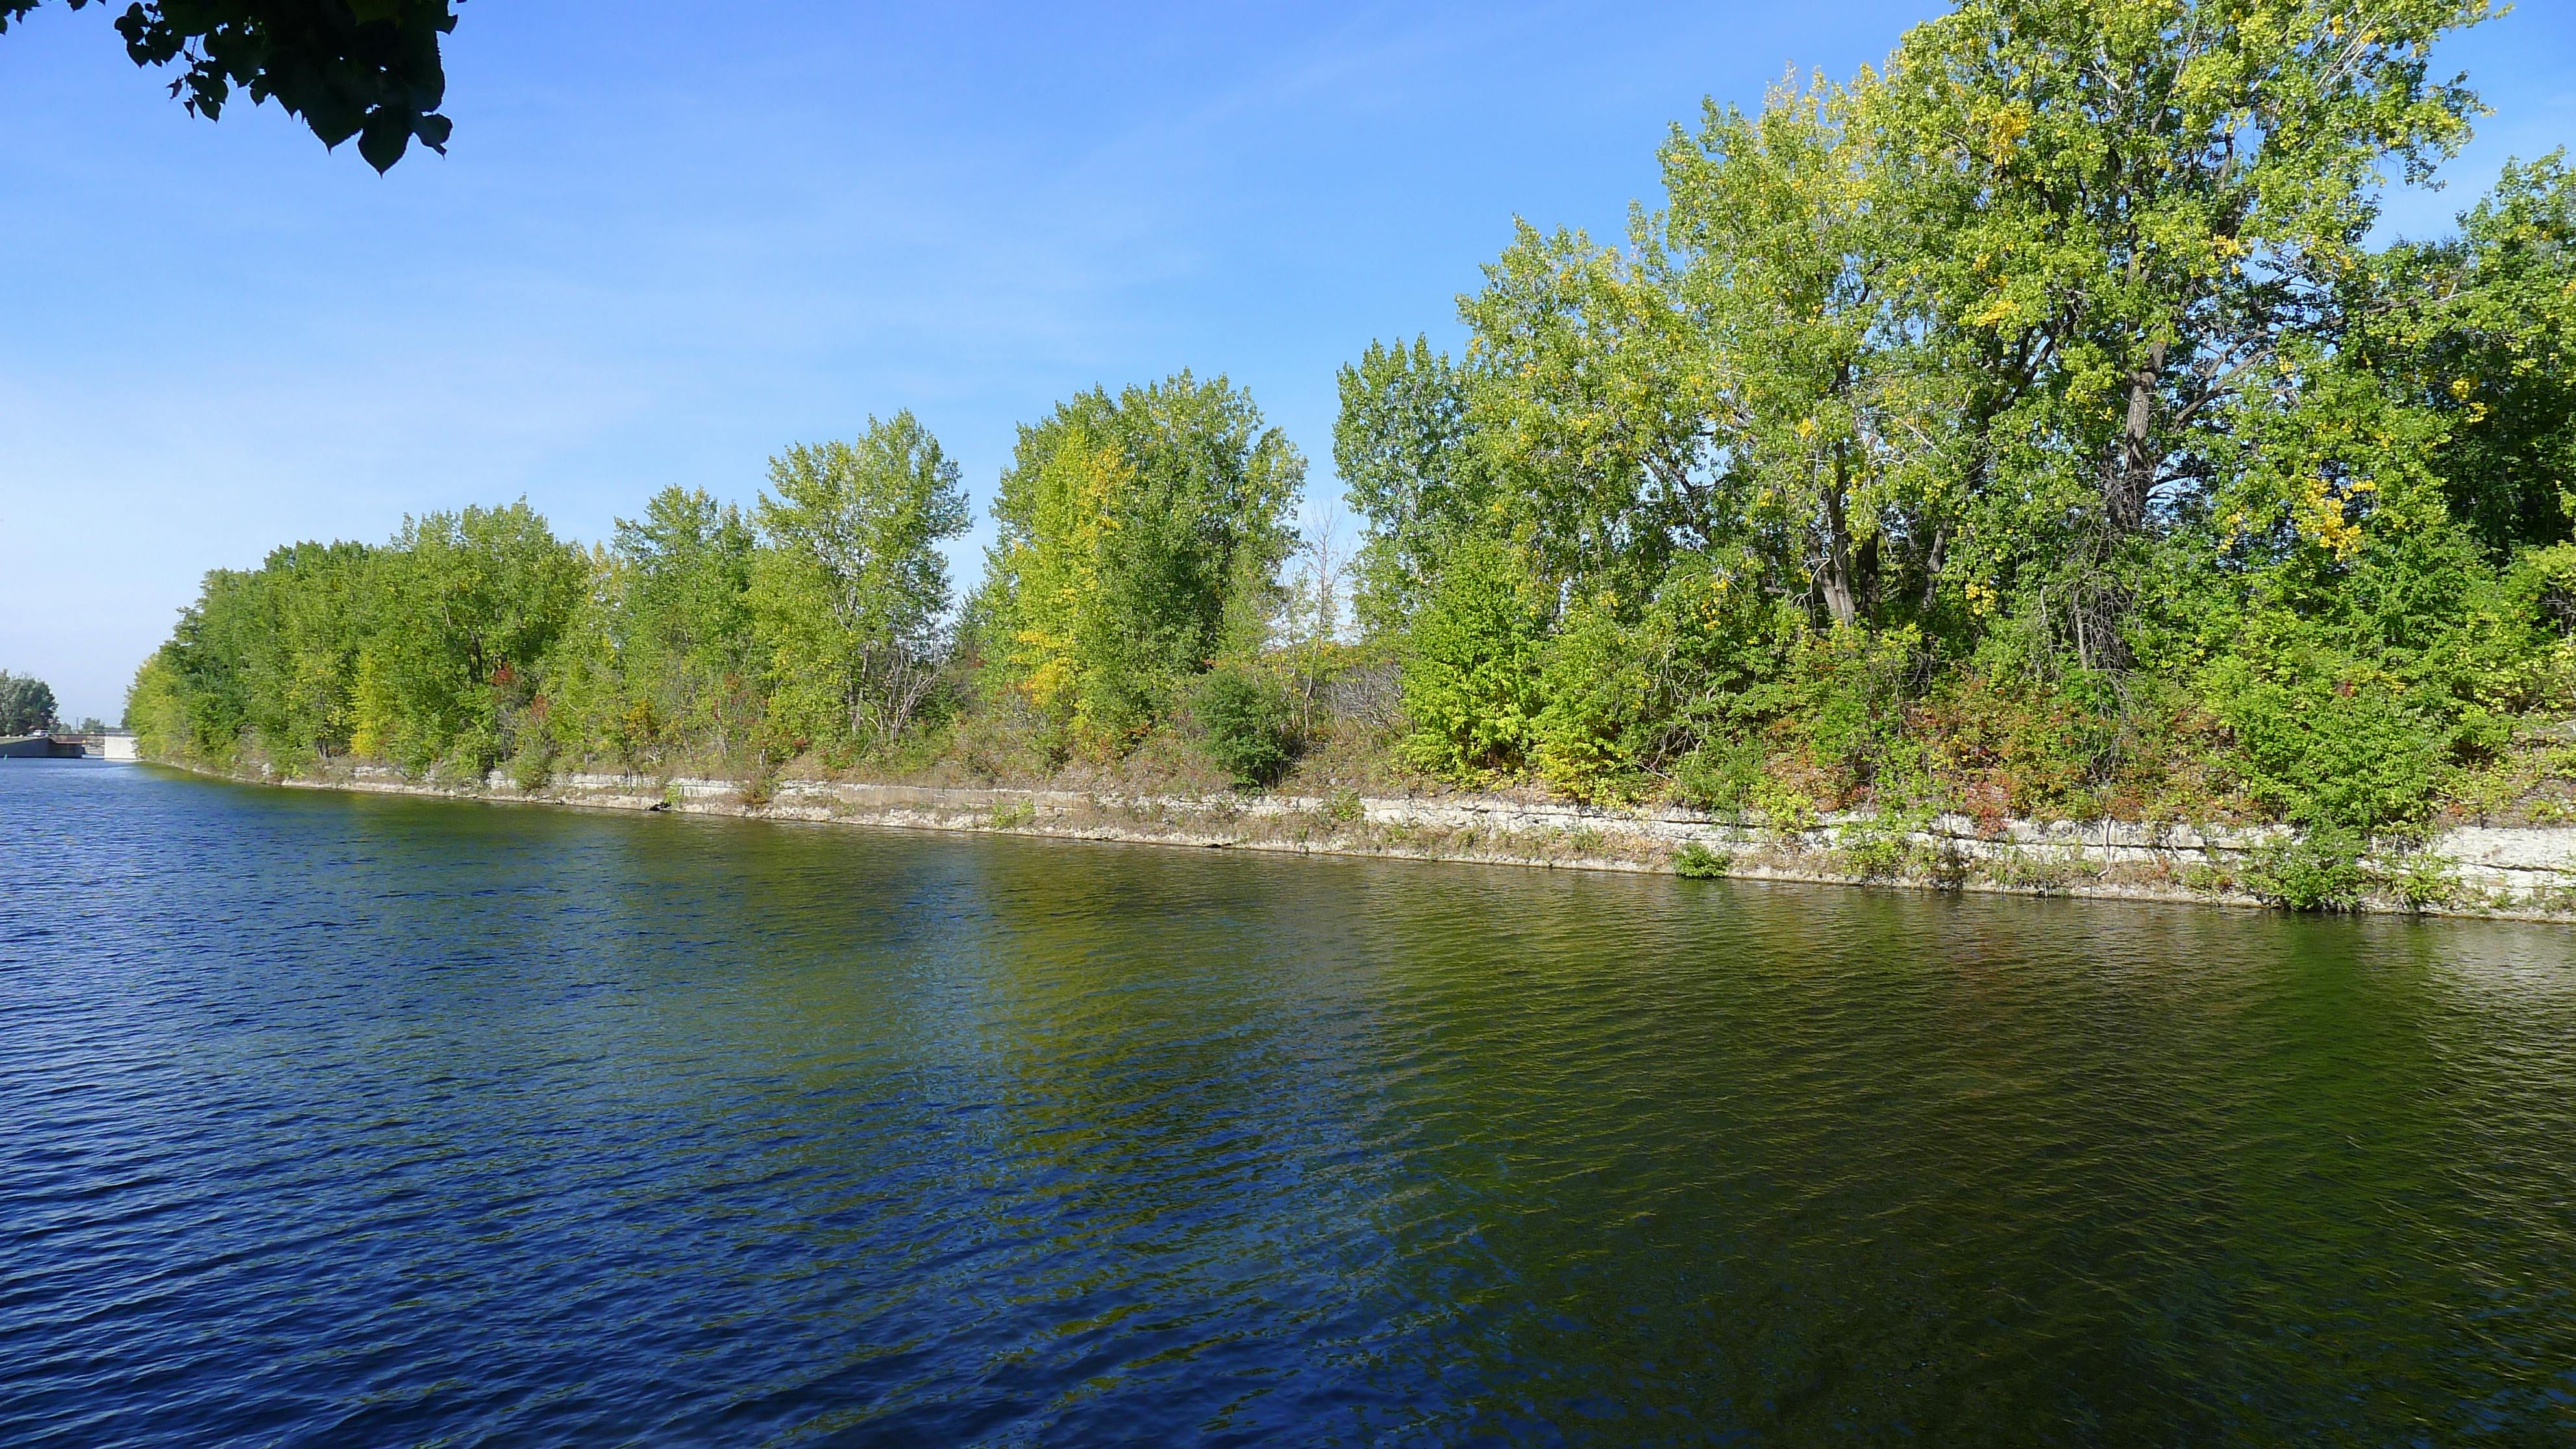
<point>850,592</point>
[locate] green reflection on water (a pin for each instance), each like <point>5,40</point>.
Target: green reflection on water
<point>1531,1153</point>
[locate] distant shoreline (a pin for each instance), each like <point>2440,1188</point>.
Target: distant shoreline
<point>2522,874</point>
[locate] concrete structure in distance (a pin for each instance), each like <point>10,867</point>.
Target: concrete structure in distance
<point>69,747</point>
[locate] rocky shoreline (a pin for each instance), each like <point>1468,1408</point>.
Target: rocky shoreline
<point>2524,873</point>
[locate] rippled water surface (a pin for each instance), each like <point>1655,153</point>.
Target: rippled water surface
<point>339,1120</point>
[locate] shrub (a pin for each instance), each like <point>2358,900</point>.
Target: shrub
<point>2039,872</point>
<point>1875,854</point>
<point>1595,685</point>
<point>2529,631</point>
<point>1471,668</point>
<point>2346,754</point>
<point>2317,871</point>
<point>1694,861</point>
<point>1244,721</point>
<point>532,765</point>
<point>1003,739</point>
<point>1851,687</point>
<point>759,783</point>
<point>2419,880</point>
<point>1720,773</point>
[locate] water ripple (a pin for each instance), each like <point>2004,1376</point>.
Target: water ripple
<point>336,1120</point>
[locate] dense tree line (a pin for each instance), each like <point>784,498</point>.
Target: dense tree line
<point>2029,424</point>
<point>2030,416</point>
<point>1139,535</point>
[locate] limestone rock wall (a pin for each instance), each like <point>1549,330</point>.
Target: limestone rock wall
<point>2470,870</point>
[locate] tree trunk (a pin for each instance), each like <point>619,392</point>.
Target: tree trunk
<point>1841,592</point>
<point>2133,474</point>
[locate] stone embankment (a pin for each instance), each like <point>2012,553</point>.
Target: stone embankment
<point>2521,873</point>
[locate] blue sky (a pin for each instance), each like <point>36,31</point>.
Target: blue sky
<point>669,239</point>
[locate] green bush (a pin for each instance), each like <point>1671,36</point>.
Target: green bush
<point>1875,854</point>
<point>1720,773</point>
<point>2330,753</point>
<point>1594,681</point>
<point>2317,871</point>
<point>532,765</point>
<point>1471,668</point>
<point>1245,724</point>
<point>2527,632</point>
<point>1849,688</point>
<point>2419,880</point>
<point>1694,861</point>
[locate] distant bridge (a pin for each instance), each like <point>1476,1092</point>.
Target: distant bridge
<point>67,747</point>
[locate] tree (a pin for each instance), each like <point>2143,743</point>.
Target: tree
<point>1471,661</point>
<point>2149,201</point>
<point>850,592</point>
<point>364,68</point>
<point>683,623</point>
<point>1139,535</point>
<point>1802,347</point>
<point>298,634</point>
<point>467,608</point>
<point>26,704</point>
<point>2480,331</point>
<point>1402,446</point>
<point>1587,416</point>
<point>1311,622</point>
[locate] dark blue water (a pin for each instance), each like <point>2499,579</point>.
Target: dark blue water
<point>339,1120</point>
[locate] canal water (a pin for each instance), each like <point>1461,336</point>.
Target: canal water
<point>342,1120</point>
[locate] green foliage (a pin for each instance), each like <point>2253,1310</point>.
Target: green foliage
<point>1589,735</point>
<point>2127,210</point>
<point>2479,332</point>
<point>1400,444</point>
<point>1875,854</point>
<point>666,657</point>
<point>2024,426</point>
<point>1720,773</point>
<point>2319,870</point>
<point>363,68</point>
<point>2419,881</point>
<point>1472,662</point>
<point>466,609</point>
<point>847,597</point>
<point>1245,722</point>
<point>532,765</point>
<point>2327,751</point>
<point>2524,633</point>
<point>2021,426</point>
<point>1138,537</point>
<point>26,704</point>
<point>1694,861</point>
<point>1843,699</point>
